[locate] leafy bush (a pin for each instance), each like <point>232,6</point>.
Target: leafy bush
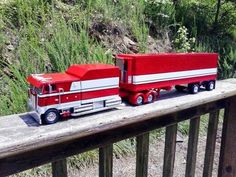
<point>160,12</point>
<point>182,42</point>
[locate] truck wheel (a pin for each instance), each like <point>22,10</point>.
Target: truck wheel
<point>51,116</point>
<point>210,85</point>
<point>193,88</point>
<point>138,99</point>
<point>150,97</point>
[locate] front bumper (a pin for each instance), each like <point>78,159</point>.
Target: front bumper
<point>33,113</point>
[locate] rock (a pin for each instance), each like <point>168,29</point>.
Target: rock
<point>8,42</point>
<point>128,41</point>
<point>10,47</point>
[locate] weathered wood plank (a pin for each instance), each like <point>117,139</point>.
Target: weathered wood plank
<point>142,150</point>
<point>227,163</point>
<point>22,142</point>
<point>192,147</point>
<point>210,143</point>
<point>34,157</point>
<point>106,161</point>
<point>169,154</point>
<point>59,168</point>
<point>22,135</point>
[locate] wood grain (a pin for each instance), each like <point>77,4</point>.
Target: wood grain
<point>169,154</point>
<point>24,144</point>
<point>59,168</point>
<point>210,143</point>
<point>106,161</point>
<point>227,163</point>
<point>192,147</point>
<point>142,151</point>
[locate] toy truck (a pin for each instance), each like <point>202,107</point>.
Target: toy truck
<point>138,78</point>
<point>82,89</point>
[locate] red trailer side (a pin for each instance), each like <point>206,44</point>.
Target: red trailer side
<point>144,72</point>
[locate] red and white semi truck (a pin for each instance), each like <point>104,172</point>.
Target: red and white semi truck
<point>138,78</point>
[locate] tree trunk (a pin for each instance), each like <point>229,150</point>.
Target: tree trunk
<point>217,14</point>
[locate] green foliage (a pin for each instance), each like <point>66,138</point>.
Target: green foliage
<point>228,63</point>
<point>183,127</point>
<point>182,42</point>
<point>226,48</point>
<point>48,36</point>
<point>195,15</point>
<point>160,12</point>
<point>199,17</point>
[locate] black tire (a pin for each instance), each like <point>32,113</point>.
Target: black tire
<point>193,88</point>
<point>210,85</point>
<point>180,88</point>
<point>51,116</point>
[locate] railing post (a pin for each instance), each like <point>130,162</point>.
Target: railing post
<point>169,154</point>
<point>142,155</point>
<point>192,147</point>
<point>210,143</point>
<point>227,162</point>
<point>106,161</point>
<point>59,168</point>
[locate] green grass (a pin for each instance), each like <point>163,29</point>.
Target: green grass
<point>48,36</point>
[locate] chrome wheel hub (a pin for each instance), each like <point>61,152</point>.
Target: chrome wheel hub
<point>150,98</point>
<point>139,100</point>
<point>211,86</point>
<point>51,116</point>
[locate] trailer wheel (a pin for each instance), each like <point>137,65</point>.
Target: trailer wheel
<point>210,85</point>
<point>193,88</point>
<point>51,116</point>
<point>139,100</point>
<point>150,97</point>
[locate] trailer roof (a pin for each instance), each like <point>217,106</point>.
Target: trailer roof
<point>132,56</point>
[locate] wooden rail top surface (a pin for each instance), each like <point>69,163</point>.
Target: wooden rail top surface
<point>20,133</point>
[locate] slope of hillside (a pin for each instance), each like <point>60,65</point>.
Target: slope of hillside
<point>48,35</point>
<point>38,36</point>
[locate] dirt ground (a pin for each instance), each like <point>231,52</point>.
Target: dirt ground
<point>125,167</point>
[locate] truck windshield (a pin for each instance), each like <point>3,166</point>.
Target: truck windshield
<point>36,90</point>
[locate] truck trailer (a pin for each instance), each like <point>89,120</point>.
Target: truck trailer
<point>144,75</point>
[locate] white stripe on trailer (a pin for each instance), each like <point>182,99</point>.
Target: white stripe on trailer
<point>150,78</point>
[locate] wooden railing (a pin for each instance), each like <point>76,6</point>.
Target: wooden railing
<point>24,144</point>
